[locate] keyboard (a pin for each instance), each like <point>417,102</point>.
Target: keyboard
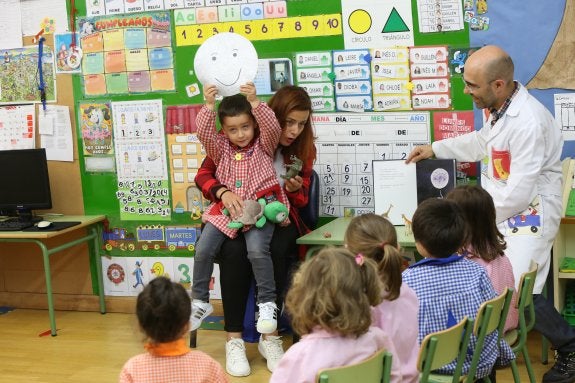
<point>14,225</point>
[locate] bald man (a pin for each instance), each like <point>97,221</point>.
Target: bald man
<point>519,148</point>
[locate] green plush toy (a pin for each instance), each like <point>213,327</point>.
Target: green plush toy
<point>258,213</point>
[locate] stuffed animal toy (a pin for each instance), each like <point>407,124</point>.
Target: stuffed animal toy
<point>258,213</point>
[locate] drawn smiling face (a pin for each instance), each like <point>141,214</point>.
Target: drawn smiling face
<point>226,60</point>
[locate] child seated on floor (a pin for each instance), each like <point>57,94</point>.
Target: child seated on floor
<point>448,286</point>
<point>163,309</point>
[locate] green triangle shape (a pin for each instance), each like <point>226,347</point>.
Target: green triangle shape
<point>394,23</point>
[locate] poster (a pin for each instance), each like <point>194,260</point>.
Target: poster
<point>19,75</point>
<point>96,128</point>
<point>68,53</point>
<point>141,165</point>
<point>127,54</point>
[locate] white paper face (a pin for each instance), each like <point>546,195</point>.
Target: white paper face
<point>226,60</point>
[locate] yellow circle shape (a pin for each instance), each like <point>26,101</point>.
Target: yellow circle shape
<point>359,21</point>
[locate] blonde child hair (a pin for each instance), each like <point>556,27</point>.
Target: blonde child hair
<point>374,236</point>
<point>334,290</point>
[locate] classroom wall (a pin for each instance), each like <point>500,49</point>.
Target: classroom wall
<point>76,192</point>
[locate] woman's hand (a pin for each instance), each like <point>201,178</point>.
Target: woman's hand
<point>233,203</point>
<point>293,184</point>
<point>210,92</point>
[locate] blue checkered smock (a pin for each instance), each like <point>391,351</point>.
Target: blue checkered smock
<point>449,289</point>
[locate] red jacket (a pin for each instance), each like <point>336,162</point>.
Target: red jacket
<point>209,185</point>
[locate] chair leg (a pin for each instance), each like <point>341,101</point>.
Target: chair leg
<point>528,365</point>
<point>544,350</point>
<point>193,338</point>
<point>515,372</point>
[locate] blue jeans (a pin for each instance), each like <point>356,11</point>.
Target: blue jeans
<point>552,325</point>
<point>258,248</point>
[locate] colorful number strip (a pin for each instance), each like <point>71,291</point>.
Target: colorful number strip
<point>265,29</point>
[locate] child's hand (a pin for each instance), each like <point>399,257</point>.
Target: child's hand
<point>249,89</point>
<point>210,92</point>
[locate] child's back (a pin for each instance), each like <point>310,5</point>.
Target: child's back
<point>484,242</point>
<point>163,310</point>
<point>329,303</point>
<point>449,287</point>
<point>397,315</point>
<point>399,321</point>
<point>189,367</point>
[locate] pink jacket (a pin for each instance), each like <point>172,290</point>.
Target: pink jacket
<point>398,320</point>
<point>322,349</point>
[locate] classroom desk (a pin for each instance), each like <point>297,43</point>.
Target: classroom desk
<point>92,223</point>
<point>336,228</point>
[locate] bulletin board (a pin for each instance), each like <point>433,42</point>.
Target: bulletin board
<point>136,240</point>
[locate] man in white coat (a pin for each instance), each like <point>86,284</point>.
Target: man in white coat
<point>519,148</point>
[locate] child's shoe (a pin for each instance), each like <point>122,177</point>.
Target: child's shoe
<point>267,318</point>
<point>271,348</point>
<point>200,310</point>
<point>236,360</point>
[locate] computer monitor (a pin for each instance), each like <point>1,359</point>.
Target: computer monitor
<point>24,180</point>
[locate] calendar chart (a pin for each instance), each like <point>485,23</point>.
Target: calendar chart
<point>347,143</point>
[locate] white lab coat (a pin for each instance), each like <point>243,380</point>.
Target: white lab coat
<point>527,192</point>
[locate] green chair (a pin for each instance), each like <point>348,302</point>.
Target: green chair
<point>491,316</point>
<point>440,348</point>
<point>517,338</point>
<point>375,369</point>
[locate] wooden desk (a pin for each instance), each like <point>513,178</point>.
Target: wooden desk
<point>337,229</point>
<point>92,223</point>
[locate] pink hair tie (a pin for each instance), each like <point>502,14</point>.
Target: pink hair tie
<point>383,244</point>
<point>359,259</point>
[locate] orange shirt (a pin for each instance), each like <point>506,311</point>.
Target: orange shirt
<point>170,363</point>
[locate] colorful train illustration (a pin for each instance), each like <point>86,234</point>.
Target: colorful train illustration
<point>152,237</point>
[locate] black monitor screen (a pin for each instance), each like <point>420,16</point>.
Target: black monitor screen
<point>24,180</point>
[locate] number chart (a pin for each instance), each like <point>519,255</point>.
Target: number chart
<point>347,143</point>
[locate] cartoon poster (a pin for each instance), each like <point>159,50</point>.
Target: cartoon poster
<point>68,53</point>
<point>96,128</point>
<point>127,54</point>
<point>19,75</point>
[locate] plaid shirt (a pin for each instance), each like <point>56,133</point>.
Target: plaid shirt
<point>173,367</point>
<point>448,290</point>
<point>496,114</point>
<point>255,170</point>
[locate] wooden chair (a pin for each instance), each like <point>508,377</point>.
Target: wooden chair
<point>375,369</point>
<point>517,338</point>
<point>491,316</point>
<point>440,348</point>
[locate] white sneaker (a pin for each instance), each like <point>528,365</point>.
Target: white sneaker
<point>200,311</point>
<point>271,348</point>
<point>236,360</point>
<point>267,317</point>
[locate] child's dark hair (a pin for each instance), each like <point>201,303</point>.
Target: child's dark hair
<point>439,226</point>
<point>334,290</point>
<point>483,237</point>
<point>163,309</point>
<point>374,236</point>
<point>232,106</point>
